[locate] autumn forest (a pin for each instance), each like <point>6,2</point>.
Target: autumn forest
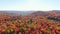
<point>39,22</point>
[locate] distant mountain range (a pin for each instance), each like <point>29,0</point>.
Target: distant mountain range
<point>46,13</point>
<point>31,12</point>
<point>18,12</point>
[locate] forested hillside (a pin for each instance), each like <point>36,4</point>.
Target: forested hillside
<point>39,22</point>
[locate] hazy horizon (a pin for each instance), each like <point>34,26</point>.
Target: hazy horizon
<point>29,10</point>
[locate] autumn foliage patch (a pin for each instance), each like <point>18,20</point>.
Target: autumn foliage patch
<point>28,25</point>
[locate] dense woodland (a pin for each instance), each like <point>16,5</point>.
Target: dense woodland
<point>35,23</point>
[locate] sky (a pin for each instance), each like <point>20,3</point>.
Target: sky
<point>26,5</point>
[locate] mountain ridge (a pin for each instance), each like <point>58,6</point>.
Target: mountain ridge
<point>31,12</point>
